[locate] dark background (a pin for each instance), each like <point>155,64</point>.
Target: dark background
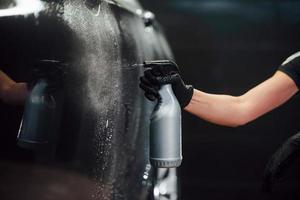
<point>229,46</point>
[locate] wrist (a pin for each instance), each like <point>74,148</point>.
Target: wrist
<point>189,105</point>
<point>189,92</point>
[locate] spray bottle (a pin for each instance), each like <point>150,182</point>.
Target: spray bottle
<point>40,123</point>
<point>165,125</point>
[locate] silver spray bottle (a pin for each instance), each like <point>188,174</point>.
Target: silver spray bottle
<point>165,131</point>
<point>165,126</point>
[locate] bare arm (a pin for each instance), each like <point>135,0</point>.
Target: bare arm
<point>12,92</point>
<point>235,111</point>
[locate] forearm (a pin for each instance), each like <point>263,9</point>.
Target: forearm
<point>235,111</point>
<point>219,109</point>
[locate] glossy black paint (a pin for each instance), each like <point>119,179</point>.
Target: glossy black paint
<point>103,139</point>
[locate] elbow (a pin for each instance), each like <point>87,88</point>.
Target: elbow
<point>238,123</point>
<point>242,114</point>
<point>234,122</point>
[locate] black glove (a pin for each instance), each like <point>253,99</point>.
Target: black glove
<point>164,72</point>
<point>280,161</point>
<point>52,70</point>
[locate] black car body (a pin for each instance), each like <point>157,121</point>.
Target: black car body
<point>101,151</point>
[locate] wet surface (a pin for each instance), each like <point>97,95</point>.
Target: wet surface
<point>104,129</point>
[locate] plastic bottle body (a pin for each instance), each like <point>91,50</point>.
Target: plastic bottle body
<point>39,121</point>
<point>165,131</point>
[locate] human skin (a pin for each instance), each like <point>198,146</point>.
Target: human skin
<point>11,92</point>
<point>235,111</point>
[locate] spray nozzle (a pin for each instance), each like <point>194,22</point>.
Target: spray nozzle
<point>162,67</point>
<point>50,70</point>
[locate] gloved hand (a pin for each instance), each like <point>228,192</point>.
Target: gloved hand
<point>52,70</point>
<point>280,161</point>
<point>164,72</point>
